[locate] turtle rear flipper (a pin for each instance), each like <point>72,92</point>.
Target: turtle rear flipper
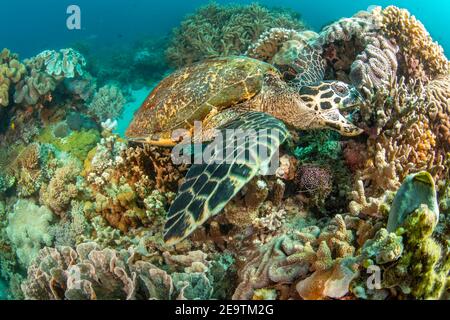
<point>249,144</point>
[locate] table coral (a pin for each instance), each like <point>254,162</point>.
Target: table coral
<point>216,30</point>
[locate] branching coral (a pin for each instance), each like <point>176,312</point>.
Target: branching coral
<point>224,30</point>
<point>405,123</point>
<point>107,103</point>
<point>27,169</point>
<point>287,259</point>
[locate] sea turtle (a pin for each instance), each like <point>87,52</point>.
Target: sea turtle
<point>232,93</point>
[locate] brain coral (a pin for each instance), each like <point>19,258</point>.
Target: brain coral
<point>27,229</point>
<point>216,30</point>
<point>377,65</point>
<point>423,57</point>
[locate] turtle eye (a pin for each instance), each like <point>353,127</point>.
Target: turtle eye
<point>341,89</point>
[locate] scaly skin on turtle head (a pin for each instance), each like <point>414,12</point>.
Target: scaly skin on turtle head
<point>325,100</point>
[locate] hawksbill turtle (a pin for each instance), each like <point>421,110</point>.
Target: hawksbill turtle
<point>232,93</point>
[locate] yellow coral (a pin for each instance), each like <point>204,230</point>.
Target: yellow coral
<point>421,53</point>
<point>11,71</point>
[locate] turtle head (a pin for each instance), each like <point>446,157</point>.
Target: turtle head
<point>326,100</point>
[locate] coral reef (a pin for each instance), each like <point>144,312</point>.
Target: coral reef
<point>27,230</point>
<point>424,59</point>
<point>82,210</point>
<point>11,72</point>
<point>216,30</point>
<point>92,273</point>
<point>107,103</point>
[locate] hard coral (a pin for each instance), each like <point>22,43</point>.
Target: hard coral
<point>424,58</point>
<point>11,72</point>
<point>216,30</point>
<point>107,103</point>
<point>61,189</point>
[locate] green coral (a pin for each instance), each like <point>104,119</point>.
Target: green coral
<point>385,247</point>
<point>78,143</point>
<point>6,182</point>
<point>156,203</point>
<point>423,269</point>
<point>318,146</point>
<point>416,189</point>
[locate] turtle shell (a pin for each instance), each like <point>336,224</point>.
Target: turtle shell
<point>191,93</point>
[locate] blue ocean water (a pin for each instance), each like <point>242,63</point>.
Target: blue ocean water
<point>114,22</point>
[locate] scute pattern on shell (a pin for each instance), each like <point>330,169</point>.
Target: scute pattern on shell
<point>192,92</point>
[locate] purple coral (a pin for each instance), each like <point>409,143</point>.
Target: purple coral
<point>377,65</point>
<point>314,179</point>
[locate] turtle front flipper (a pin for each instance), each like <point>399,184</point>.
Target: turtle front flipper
<point>249,145</point>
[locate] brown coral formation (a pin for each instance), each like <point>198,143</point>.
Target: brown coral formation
<point>11,72</point>
<point>216,30</point>
<point>424,59</point>
<point>308,254</point>
<point>61,189</point>
<point>408,126</point>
